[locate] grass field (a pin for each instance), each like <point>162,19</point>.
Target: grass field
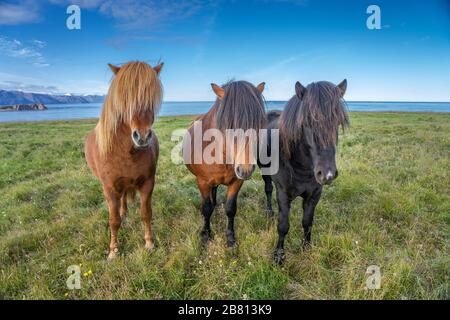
<point>389,207</point>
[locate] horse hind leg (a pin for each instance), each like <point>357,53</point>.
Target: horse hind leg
<point>268,188</point>
<point>123,206</point>
<point>127,196</point>
<point>214,196</point>
<point>284,204</point>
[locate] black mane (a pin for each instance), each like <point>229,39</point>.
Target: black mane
<point>321,109</point>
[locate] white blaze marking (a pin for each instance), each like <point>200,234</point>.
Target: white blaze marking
<point>329,175</point>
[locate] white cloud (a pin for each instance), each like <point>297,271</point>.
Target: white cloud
<point>31,52</point>
<point>40,44</point>
<point>26,87</point>
<point>15,82</point>
<point>84,4</point>
<point>271,69</point>
<point>137,14</point>
<point>19,12</point>
<point>294,2</point>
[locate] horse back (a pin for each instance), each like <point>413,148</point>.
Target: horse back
<point>273,115</point>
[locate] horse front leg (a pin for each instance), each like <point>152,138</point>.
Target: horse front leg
<point>284,205</point>
<point>112,197</point>
<point>207,210</point>
<point>309,207</point>
<point>230,209</point>
<point>146,212</point>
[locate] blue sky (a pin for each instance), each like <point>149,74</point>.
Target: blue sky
<point>204,41</point>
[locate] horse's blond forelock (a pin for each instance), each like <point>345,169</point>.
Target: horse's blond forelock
<point>136,88</point>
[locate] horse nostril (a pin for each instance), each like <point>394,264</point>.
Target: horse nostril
<point>239,172</point>
<point>136,135</point>
<point>319,173</point>
<point>149,135</point>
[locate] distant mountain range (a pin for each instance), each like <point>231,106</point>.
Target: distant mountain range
<point>20,97</point>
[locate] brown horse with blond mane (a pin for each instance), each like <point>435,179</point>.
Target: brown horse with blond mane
<point>122,151</point>
<point>239,105</point>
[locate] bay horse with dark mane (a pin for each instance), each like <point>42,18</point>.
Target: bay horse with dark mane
<point>308,131</point>
<point>122,151</point>
<point>239,106</point>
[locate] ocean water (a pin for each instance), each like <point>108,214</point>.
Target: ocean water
<point>92,110</point>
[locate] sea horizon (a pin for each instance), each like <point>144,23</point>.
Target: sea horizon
<point>186,108</point>
<point>347,101</point>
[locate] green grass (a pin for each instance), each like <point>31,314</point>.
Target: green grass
<point>389,207</point>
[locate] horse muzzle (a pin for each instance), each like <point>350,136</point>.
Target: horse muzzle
<point>139,141</point>
<point>324,177</point>
<point>244,172</point>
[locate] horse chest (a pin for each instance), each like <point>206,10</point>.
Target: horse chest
<point>225,176</point>
<point>127,171</point>
<point>214,174</point>
<point>128,166</point>
<point>304,189</point>
<point>123,183</point>
<point>296,182</point>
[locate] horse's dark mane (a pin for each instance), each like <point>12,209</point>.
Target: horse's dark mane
<point>321,109</point>
<point>242,107</point>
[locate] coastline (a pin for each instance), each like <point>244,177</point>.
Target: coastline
<point>93,110</point>
<point>23,107</point>
<point>182,116</point>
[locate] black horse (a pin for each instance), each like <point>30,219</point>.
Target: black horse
<point>308,135</point>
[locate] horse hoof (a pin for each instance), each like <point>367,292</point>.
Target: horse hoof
<point>149,246</point>
<point>269,213</point>
<point>205,237</point>
<point>113,254</point>
<point>231,244</point>
<point>306,246</point>
<point>280,257</point>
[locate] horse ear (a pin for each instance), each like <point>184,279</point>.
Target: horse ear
<point>218,90</point>
<point>158,67</point>
<point>299,90</point>
<point>261,87</point>
<point>343,87</point>
<point>113,68</point>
